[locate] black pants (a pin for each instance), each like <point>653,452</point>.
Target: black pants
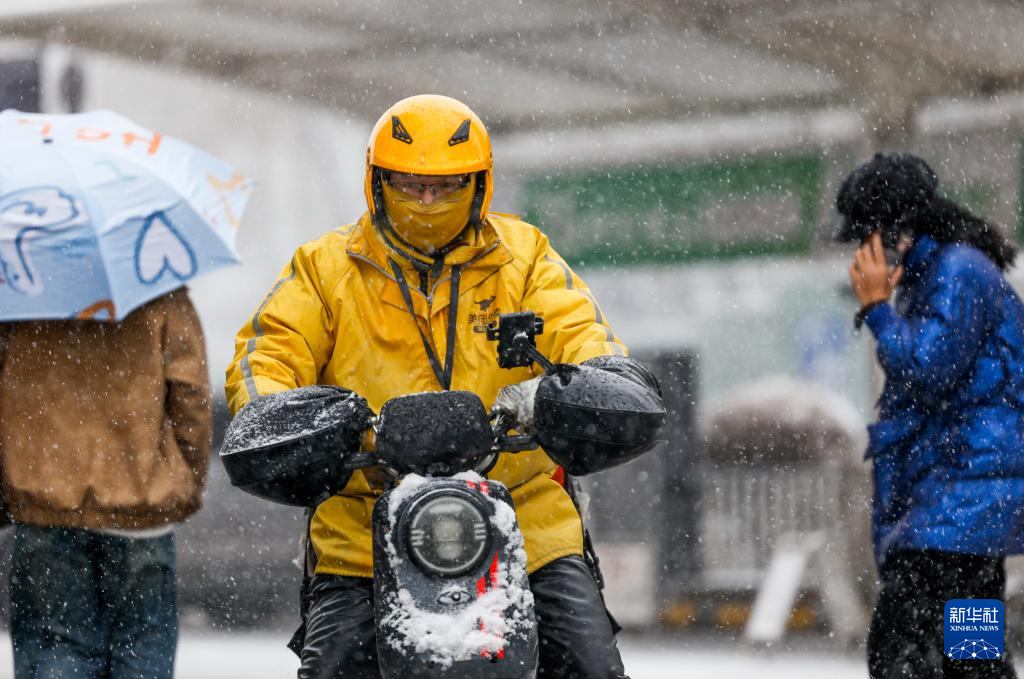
<point>906,637</point>
<point>576,637</point>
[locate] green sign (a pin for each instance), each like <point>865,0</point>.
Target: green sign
<point>679,212</point>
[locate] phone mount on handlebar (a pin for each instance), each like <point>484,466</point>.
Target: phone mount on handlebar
<point>516,336</point>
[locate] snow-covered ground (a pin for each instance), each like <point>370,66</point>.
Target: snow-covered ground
<point>264,656</point>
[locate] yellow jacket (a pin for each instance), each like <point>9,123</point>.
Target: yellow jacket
<point>337,316</point>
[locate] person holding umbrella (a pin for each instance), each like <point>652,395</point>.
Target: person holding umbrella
<point>948,446</point>
<point>105,411</point>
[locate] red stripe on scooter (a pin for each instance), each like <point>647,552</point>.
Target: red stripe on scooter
<point>493,571</point>
<point>482,585</point>
<point>494,583</point>
<point>559,476</point>
<point>481,589</point>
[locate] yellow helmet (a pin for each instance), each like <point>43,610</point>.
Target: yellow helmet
<point>430,134</point>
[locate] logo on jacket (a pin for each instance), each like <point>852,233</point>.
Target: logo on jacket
<point>487,314</point>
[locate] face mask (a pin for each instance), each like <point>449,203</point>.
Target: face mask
<point>428,227</point>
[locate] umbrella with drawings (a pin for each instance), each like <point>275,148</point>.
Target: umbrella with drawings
<point>99,216</point>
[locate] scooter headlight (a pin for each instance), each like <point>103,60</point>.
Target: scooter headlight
<point>448,535</point>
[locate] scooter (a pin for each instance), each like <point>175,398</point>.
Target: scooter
<point>451,592</point>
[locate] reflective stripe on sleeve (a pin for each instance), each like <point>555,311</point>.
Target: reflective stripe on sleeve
<point>257,329</point>
<point>598,316</point>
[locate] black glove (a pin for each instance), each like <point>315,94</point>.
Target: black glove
<point>291,447</point>
<point>597,415</point>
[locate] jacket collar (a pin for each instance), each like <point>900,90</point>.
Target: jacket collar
<point>482,254</point>
<point>920,255</point>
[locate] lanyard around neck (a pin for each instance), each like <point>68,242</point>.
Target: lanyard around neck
<point>443,373</point>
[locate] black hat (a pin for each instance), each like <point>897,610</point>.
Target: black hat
<point>886,192</point>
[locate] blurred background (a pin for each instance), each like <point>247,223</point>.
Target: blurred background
<point>683,155</point>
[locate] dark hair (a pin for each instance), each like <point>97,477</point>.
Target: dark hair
<point>948,222</point>
<point>899,193</point>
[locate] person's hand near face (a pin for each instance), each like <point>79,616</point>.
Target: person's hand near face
<point>872,278</point>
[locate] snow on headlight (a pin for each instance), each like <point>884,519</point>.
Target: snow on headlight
<point>483,624</point>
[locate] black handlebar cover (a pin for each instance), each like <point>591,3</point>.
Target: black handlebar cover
<point>591,418</point>
<point>295,447</point>
<point>436,432</point>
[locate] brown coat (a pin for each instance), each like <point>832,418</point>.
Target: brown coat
<point>105,425</point>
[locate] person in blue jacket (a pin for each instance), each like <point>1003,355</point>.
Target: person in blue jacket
<point>948,446</point>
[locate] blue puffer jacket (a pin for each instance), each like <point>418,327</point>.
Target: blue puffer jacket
<point>948,447</point>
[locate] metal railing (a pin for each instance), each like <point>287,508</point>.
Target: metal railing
<point>746,508</point>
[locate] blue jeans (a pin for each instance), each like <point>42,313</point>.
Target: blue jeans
<point>86,605</point>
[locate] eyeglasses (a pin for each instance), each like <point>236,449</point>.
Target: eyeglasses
<point>438,190</point>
